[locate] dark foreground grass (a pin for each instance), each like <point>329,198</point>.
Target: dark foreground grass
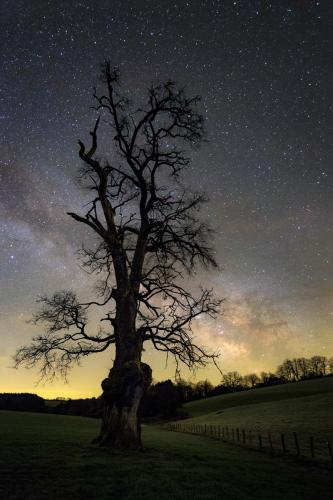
<point>49,456</point>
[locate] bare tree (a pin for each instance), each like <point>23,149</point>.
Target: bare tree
<point>251,380</point>
<point>303,367</point>
<point>287,370</point>
<point>318,365</point>
<point>330,364</point>
<point>233,379</point>
<point>149,235</point>
<point>203,388</point>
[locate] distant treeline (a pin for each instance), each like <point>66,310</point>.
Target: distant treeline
<point>22,402</point>
<point>291,370</point>
<point>164,399</point>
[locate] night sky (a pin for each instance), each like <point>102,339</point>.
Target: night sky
<point>264,71</point>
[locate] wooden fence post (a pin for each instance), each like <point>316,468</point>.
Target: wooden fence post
<point>235,434</point>
<point>312,448</point>
<point>330,449</point>
<point>296,444</point>
<point>283,443</point>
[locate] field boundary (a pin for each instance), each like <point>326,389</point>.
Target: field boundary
<point>306,447</point>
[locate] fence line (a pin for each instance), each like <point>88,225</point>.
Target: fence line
<point>318,449</point>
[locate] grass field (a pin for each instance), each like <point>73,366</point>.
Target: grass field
<point>49,456</point>
<point>304,407</point>
<point>262,395</point>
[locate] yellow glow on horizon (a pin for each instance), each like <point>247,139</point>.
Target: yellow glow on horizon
<point>245,349</point>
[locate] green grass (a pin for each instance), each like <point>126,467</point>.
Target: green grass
<point>49,457</point>
<point>305,407</point>
<point>262,395</point>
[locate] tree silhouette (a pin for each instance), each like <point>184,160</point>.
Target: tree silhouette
<point>149,237</point>
<point>251,380</point>
<point>233,380</point>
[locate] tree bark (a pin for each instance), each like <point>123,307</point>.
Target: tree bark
<point>122,394</point>
<point>125,385</point>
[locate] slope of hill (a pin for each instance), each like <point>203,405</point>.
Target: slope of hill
<point>312,414</point>
<point>262,395</point>
<point>305,408</point>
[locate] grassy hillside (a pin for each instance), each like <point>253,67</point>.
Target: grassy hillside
<point>313,414</point>
<point>305,408</point>
<point>48,457</point>
<point>262,395</point>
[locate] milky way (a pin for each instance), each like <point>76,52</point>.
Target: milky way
<point>264,71</point>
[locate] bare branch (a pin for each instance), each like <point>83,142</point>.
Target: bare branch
<point>65,340</point>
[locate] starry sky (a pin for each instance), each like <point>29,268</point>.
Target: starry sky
<point>264,71</point>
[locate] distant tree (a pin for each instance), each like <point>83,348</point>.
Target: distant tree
<point>186,390</point>
<point>283,374</point>
<point>303,367</point>
<point>148,234</point>
<point>232,380</point>
<point>330,364</point>
<point>288,370</point>
<point>251,380</point>
<point>268,378</point>
<point>203,388</point>
<point>318,366</point>
<point>295,369</point>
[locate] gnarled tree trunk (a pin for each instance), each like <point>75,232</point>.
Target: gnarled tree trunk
<point>122,393</point>
<point>124,387</point>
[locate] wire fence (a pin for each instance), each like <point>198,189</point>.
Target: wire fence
<point>317,448</point>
